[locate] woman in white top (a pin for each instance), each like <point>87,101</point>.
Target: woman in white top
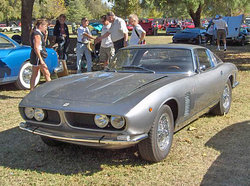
<point>38,52</point>
<point>138,34</point>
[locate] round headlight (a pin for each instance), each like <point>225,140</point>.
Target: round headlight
<point>39,114</point>
<point>29,112</point>
<point>101,120</point>
<point>117,121</point>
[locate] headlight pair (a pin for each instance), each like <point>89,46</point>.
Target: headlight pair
<point>102,121</point>
<point>38,114</point>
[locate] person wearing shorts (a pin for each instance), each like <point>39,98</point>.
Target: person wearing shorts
<point>107,50</point>
<point>38,51</point>
<point>118,32</point>
<point>222,30</point>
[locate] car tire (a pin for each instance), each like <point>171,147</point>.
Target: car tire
<point>51,142</point>
<point>224,104</point>
<point>242,42</point>
<point>23,81</point>
<point>157,146</point>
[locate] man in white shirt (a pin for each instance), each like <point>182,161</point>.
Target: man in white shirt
<point>222,30</point>
<point>138,34</point>
<point>107,50</point>
<point>118,31</point>
<point>83,37</point>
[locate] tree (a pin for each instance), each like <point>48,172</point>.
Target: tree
<point>77,10</point>
<point>97,8</point>
<point>10,10</point>
<point>123,8</point>
<point>49,9</point>
<point>26,20</point>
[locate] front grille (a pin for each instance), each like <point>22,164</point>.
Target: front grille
<point>83,120</point>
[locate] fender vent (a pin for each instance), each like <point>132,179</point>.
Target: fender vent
<point>187,104</point>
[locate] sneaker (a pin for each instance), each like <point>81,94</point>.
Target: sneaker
<point>225,49</point>
<point>218,49</point>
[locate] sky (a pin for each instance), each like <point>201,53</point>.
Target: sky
<point>106,1</point>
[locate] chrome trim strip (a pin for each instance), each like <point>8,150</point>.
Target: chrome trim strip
<point>35,130</point>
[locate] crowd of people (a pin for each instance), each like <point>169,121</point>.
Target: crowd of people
<point>114,36</point>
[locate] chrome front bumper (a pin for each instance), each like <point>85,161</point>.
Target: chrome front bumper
<point>121,141</point>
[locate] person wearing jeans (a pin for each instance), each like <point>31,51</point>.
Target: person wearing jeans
<point>83,39</point>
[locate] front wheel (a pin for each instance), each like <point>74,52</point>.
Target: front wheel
<point>23,81</point>
<point>157,146</point>
<point>224,104</point>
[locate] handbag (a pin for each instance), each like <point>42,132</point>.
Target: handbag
<point>44,53</point>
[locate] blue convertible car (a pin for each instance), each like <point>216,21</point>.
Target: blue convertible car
<point>15,66</point>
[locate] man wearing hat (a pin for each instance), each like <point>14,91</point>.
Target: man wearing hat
<point>222,30</point>
<point>118,31</point>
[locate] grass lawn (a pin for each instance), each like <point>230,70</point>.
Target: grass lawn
<point>212,150</point>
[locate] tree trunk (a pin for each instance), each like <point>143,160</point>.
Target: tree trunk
<point>26,20</point>
<point>196,16</point>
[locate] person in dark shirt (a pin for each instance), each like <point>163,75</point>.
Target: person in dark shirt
<point>61,32</point>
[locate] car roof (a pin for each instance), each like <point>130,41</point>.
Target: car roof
<point>170,46</point>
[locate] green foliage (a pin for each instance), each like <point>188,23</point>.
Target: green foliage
<point>10,10</point>
<point>123,8</point>
<point>230,7</point>
<point>77,10</point>
<point>50,9</point>
<point>97,8</point>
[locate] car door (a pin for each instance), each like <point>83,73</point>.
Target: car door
<point>207,86</point>
<point>5,69</point>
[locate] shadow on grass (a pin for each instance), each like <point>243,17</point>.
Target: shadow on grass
<point>232,167</point>
<point>25,151</point>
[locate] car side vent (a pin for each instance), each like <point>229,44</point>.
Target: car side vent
<point>187,104</point>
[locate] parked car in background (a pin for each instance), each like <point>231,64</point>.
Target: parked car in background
<point>16,29</point>
<point>15,66</point>
<point>148,27</point>
<point>172,29</point>
<point>5,28</point>
<point>194,36</point>
<point>147,93</point>
<point>130,27</point>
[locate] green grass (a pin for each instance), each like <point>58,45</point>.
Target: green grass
<point>215,151</point>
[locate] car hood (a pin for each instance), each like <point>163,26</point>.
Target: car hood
<point>185,35</point>
<point>101,87</point>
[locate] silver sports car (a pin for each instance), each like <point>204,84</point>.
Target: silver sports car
<point>146,94</point>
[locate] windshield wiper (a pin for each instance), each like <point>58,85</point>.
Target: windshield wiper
<point>138,67</point>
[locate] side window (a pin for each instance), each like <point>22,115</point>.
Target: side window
<point>4,43</point>
<point>203,59</point>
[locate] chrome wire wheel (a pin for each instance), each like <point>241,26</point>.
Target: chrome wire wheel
<point>163,138</point>
<point>26,75</point>
<point>226,97</point>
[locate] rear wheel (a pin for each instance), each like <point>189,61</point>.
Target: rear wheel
<point>51,142</point>
<point>224,104</point>
<point>23,81</point>
<point>157,146</point>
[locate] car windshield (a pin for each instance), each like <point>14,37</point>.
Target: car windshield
<point>152,60</point>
